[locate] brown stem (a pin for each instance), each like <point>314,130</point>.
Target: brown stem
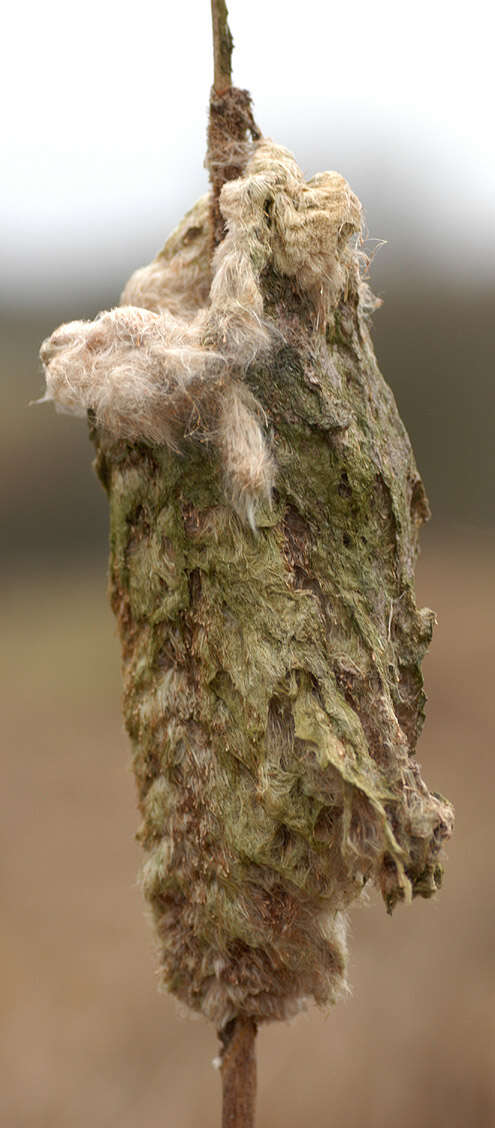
<point>230,122</point>
<point>238,1073</point>
<point>222,46</point>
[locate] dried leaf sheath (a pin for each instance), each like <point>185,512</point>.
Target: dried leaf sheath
<point>265,508</point>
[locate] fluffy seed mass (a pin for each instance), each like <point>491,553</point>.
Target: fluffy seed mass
<point>265,508</point>
<point>169,362</point>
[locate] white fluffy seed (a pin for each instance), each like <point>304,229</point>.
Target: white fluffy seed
<point>169,362</point>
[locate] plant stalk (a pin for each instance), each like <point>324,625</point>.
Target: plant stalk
<point>238,1070</point>
<point>230,123</point>
<point>222,46</point>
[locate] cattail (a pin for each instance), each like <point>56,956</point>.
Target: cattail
<point>265,508</point>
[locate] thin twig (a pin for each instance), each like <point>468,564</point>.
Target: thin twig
<point>238,1073</point>
<point>222,46</point>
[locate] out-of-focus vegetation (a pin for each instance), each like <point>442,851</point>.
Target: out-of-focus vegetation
<point>434,347</point>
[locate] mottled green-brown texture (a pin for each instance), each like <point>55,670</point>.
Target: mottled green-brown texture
<point>272,681</point>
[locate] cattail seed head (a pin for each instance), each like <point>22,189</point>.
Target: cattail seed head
<point>265,508</point>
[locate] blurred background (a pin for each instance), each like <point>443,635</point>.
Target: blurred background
<point>103,143</point>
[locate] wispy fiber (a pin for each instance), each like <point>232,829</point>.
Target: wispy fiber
<point>169,363</point>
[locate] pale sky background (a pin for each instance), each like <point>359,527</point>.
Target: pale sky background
<point>104,117</point>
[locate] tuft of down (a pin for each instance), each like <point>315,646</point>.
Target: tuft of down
<point>169,364</point>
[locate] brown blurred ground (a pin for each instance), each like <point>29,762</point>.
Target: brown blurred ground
<point>86,1038</point>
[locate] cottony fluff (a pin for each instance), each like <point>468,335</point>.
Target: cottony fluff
<point>169,364</point>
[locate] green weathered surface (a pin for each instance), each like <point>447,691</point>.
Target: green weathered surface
<point>272,680</point>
